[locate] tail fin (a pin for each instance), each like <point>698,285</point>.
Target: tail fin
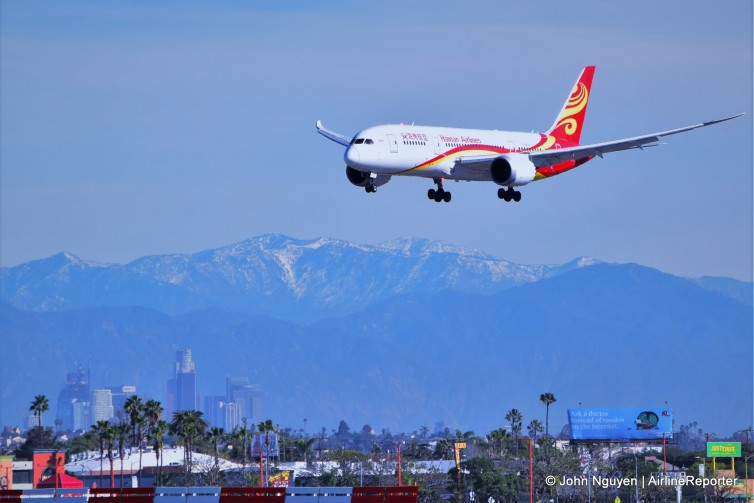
<point>571,118</point>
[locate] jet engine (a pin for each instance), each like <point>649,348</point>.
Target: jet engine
<point>512,170</point>
<point>363,178</point>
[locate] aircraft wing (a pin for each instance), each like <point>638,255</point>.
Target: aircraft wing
<point>337,138</point>
<point>555,156</point>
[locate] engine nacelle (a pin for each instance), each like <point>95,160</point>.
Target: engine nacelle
<point>512,170</point>
<point>362,178</point>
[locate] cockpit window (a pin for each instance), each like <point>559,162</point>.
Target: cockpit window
<point>369,142</point>
<point>359,141</point>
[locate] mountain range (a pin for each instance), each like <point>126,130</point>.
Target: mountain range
<point>399,335</point>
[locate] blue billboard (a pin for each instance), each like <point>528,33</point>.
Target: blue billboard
<point>621,424</point>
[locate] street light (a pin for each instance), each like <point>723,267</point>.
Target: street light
<point>746,468</point>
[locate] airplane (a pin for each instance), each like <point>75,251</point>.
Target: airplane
<point>509,159</point>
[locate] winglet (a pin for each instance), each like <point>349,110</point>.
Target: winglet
<point>709,123</point>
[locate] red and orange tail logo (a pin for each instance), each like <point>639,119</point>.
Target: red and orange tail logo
<point>570,121</point>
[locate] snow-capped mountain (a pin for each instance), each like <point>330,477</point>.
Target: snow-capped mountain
<point>271,274</point>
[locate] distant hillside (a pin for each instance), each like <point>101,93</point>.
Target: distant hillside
<point>271,275</point>
<point>603,336</point>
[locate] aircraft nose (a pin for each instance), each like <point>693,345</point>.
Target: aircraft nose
<point>352,156</point>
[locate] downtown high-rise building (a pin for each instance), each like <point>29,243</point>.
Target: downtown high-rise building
<point>120,395</point>
<point>182,393</point>
<point>74,402</point>
<point>102,405</point>
<point>248,398</point>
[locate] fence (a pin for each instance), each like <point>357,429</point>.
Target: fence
<point>408,494</point>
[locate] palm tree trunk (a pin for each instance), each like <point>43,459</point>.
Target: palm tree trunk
<point>139,447</point>
<point>112,473</point>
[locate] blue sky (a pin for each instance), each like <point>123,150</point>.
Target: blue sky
<point>132,128</point>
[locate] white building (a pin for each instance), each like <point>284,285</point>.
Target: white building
<point>102,407</point>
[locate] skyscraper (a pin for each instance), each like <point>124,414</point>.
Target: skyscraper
<point>74,407</point>
<point>120,395</point>
<point>182,387</point>
<point>248,398</point>
<point>102,406</point>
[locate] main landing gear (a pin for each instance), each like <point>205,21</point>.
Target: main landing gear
<point>440,194</point>
<point>370,188</point>
<point>509,194</point>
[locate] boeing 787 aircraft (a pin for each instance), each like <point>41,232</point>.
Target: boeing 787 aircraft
<point>510,159</point>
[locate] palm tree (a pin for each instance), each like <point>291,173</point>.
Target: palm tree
<point>134,407</point>
<point>216,435</point>
<point>516,419</point>
<point>266,427</point>
<point>152,412</point>
<point>547,399</point>
<point>535,427</point>
<point>499,435</point>
<point>188,424</point>
<point>108,435</point>
<point>158,431</point>
<point>99,429</point>
<point>303,446</point>
<point>120,431</point>
<point>39,406</point>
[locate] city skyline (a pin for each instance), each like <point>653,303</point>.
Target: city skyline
<point>80,405</point>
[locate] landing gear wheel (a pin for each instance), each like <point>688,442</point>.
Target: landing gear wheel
<point>516,196</point>
<point>508,195</point>
<point>370,188</point>
<point>501,193</point>
<point>439,194</point>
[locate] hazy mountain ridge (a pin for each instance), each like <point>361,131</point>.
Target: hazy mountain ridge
<point>399,335</point>
<point>605,335</point>
<point>271,274</point>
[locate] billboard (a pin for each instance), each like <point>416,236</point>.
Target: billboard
<point>261,441</point>
<point>723,449</point>
<point>621,424</point>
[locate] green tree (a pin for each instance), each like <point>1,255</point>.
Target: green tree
<point>152,413</point>
<point>108,435</point>
<point>135,409</point>
<point>37,438</point>
<point>535,427</point>
<point>302,448</point>
<point>84,443</point>
<point>240,436</point>
<point>266,427</point>
<point>121,435</point>
<point>100,429</point>
<point>498,436</point>
<point>516,420</point>
<point>547,399</point>
<point>39,406</point>
<point>215,436</point>
<point>188,425</point>
<point>481,476</point>
<point>158,432</point>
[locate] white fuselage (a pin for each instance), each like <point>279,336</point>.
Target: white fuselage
<point>432,152</point>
